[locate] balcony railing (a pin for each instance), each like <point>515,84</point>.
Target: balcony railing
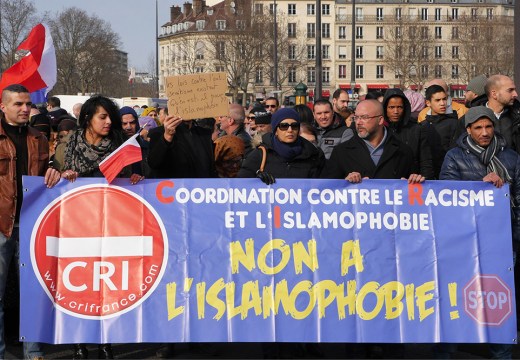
<point>340,18</point>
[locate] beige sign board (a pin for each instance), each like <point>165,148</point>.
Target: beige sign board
<point>198,95</point>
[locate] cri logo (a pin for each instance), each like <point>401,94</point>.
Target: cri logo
<point>99,251</point>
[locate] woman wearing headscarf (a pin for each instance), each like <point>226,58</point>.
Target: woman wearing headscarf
<point>229,153</point>
<point>288,155</point>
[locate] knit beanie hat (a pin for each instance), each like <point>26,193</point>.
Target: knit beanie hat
<point>125,110</point>
<point>282,114</point>
<point>477,85</point>
<point>148,110</point>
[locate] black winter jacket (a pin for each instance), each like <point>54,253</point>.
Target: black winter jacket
<point>412,134</point>
<point>461,164</point>
<point>353,156</point>
<point>307,165</point>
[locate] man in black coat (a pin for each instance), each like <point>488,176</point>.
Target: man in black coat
<point>373,152</point>
<point>397,113</point>
<point>181,149</point>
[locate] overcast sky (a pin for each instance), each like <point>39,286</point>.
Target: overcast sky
<point>133,20</point>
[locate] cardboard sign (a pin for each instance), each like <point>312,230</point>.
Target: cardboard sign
<point>198,95</point>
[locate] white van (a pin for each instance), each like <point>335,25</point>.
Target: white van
<point>140,101</point>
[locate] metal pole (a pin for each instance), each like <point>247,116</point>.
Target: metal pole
<point>1,62</point>
<point>157,46</point>
<point>275,55</point>
<point>319,67</point>
<point>517,42</point>
<point>353,50</point>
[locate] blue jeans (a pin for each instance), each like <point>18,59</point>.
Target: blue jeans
<point>8,249</point>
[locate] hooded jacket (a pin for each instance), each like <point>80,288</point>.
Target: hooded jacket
<point>411,133</point>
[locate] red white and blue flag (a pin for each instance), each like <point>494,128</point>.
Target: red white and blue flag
<point>37,70</point>
<point>128,153</point>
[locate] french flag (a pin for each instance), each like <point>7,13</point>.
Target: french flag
<point>128,153</point>
<point>37,70</point>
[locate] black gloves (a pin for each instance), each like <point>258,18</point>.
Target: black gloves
<point>266,178</point>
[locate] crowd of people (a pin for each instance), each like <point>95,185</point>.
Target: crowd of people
<point>395,135</point>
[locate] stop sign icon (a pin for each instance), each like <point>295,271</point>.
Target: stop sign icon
<point>99,251</point>
<point>487,299</point>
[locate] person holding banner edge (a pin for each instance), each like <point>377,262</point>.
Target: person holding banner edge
<point>482,155</point>
<point>28,154</point>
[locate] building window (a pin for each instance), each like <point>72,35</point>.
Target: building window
<point>438,71</point>
<point>454,33</point>
<point>454,14</point>
<point>325,51</point>
<point>474,13</point>
<point>342,32</point>
<point>271,9</point>
<point>489,14</point>
<point>311,52</point>
<point>438,14</point>
<point>359,32</point>
<point>342,52</point>
<point>292,52</point>
<point>311,9</point>
<point>398,14</point>
<point>424,33</point>
<point>311,30</point>
<point>325,9</point>
<point>311,74</point>
<point>424,71</point>
<point>221,50</point>
<point>359,52</point>
<point>325,74</point>
<point>424,14</point>
<point>221,24</point>
<point>359,72</point>
<point>379,52</point>
<point>342,71</point>
<point>379,14</point>
<point>241,24</point>
<point>219,68</point>
<point>454,52</point>
<point>425,52</point>
<point>359,14</point>
<point>259,9</point>
<point>438,52</point>
<point>259,76</point>
<point>200,24</point>
<point>199,69</point>
<point>325,31</point>
<point>199,51</point>
<point>291,30</point>
<point>291,9</point>
<point>292,75</point>
<point>379,32</point>
<point>380,72</point>
<point>438,32</point>
<point>454,71</point>
<point>398,32</point>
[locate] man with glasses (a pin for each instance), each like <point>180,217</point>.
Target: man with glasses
<point>272,104</point>
<point>233,124</point>
<point>373,152</point>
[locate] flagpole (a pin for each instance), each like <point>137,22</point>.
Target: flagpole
<point>1,62</point>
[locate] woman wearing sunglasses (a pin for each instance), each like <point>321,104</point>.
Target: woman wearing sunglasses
<point>288,155</point>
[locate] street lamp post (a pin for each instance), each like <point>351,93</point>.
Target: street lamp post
<point>275,55</point>
<point>353,50</point>
<point>157,47</point>
<point>319,72</point>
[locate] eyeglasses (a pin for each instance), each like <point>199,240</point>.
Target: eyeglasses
<point>286,126</point>
<point>251,117</point>
<point>270,106</point>
<point>364,117</point>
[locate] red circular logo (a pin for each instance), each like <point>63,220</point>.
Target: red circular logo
<point>99,251</point>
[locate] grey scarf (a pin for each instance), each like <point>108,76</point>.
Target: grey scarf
<point>488,158</point>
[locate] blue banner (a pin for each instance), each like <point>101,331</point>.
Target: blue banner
<point>218,260</point>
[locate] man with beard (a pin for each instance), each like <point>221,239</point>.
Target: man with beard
<point>330,134</point>
<point>340,101</point>
<point>373,152</point>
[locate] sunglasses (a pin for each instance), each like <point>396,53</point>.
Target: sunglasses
<point>270,106</point>
<point>251,117</point>
<point>286,126</point>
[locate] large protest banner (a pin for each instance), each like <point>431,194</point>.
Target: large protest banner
<point>235,260</point>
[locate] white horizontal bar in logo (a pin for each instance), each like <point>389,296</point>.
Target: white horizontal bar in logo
<point>102,246</point>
